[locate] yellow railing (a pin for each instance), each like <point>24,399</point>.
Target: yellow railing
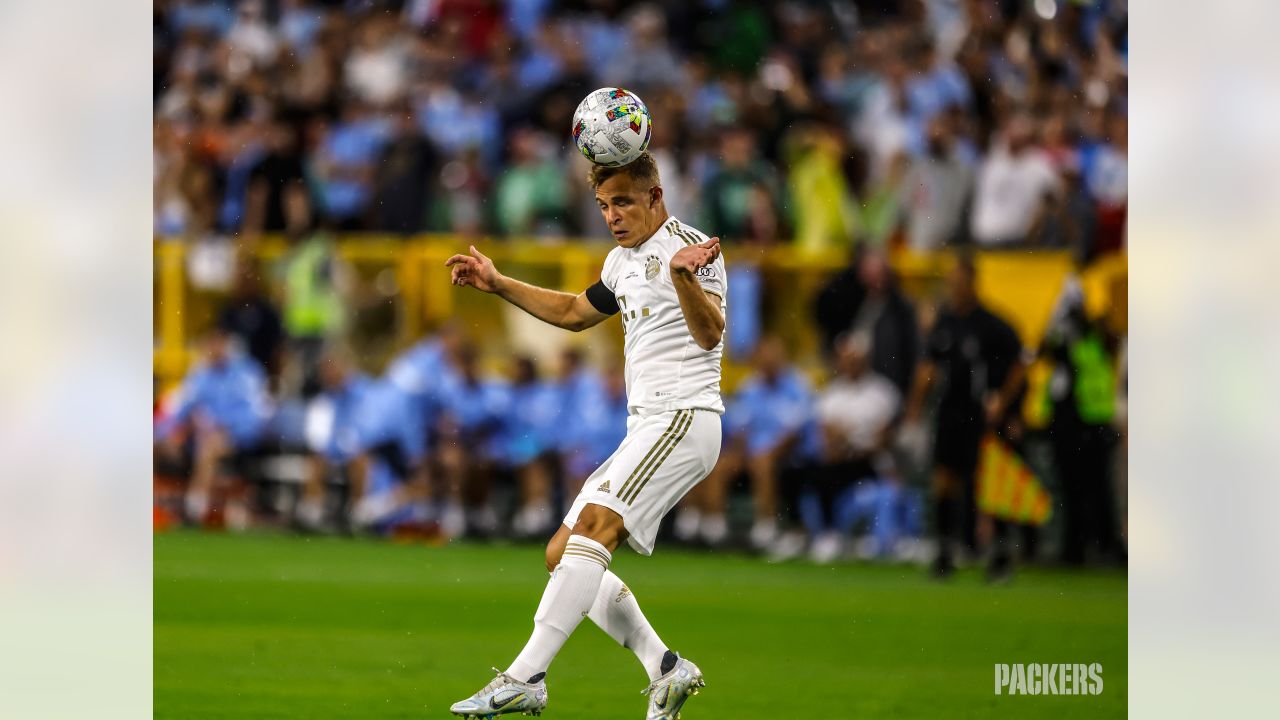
<point>1021,286</point>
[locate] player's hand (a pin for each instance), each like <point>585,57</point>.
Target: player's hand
<point>692,258</point>
<point>474,270</point>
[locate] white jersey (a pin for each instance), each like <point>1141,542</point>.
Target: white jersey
<point>665,368</point>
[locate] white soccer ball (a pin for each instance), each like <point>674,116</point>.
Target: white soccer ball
<point>611,126</point>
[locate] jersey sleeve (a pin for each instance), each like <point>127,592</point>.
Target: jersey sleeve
<point>713,278</point>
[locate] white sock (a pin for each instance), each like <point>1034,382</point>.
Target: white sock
<point>570,593</point>
<point>618,614</point>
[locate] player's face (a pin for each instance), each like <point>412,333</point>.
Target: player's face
<point>631,210</point>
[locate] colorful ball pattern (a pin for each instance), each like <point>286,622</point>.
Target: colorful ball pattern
<point>611,126</point>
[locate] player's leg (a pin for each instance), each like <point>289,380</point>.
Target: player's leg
<point>572,589</point>
<point>568,597</point>
<point>617,612</point>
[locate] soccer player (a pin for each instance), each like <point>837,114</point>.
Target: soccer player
<point>667,282</point>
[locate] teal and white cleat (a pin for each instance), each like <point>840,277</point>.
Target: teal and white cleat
<point>503,695</point>
<point>668,693</point>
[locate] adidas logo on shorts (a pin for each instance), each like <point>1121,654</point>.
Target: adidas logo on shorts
<point>604,487</point>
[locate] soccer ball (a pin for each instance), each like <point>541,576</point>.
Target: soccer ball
<point>611,127</point>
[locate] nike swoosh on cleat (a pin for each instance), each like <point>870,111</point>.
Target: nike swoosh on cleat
<point>666,695</point>
<point>496,705</point>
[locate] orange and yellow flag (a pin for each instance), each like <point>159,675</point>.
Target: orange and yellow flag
<point>1007,488</point>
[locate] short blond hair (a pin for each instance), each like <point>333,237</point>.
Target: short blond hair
<point>643,170</point>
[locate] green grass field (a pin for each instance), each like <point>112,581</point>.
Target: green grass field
<point>266,626</point>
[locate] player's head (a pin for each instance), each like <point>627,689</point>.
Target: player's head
<point>630,199</point>
<point>962,293</point>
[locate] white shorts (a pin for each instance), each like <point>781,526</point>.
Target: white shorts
<point>663,456</point>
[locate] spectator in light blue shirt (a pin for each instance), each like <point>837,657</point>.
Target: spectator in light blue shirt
<point>344,164</point>
<point>768,425</point>
<point>367,430</point>
<point>219,410</point>
<point>596,420</point>
<point>472,429</point>
<point>578,385</point>
<point>529,436</point>
<point>423,373</point>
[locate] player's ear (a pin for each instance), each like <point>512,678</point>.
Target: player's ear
<point>655,196</point>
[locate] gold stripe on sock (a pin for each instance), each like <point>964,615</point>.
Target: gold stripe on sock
<point>579,545</point>
<point>587,555</point>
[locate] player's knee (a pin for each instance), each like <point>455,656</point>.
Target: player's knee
<point>554,552</point>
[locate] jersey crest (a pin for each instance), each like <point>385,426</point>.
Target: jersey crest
<point>652,265</point>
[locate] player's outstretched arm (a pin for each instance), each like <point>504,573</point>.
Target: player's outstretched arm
<point>701,309</point>
<point>571,312</point>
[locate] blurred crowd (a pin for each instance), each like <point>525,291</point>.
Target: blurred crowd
<point>875,454</point>
<point>864,126</point>
<point>922,123</point>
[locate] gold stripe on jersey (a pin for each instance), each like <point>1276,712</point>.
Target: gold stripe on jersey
<point>662,439</point>
<point>661,458</point>
<point>684,430</point>
<point>682,233</point>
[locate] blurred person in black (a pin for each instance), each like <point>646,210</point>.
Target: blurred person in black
<point>1082,394</point>
<point>980,363</point>
<point>250,315</point>
<point>864,299</point>
<point>404,178</point>
<point>279,171</point>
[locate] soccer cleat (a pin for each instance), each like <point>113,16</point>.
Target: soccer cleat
<point>503,695</point>
<point>668,693</point>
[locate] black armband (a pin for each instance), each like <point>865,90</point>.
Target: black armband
<point>602,299</point>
